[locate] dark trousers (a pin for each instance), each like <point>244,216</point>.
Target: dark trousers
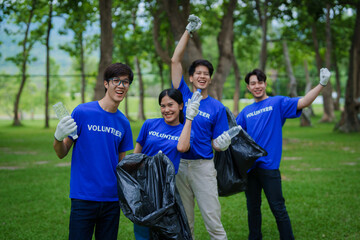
<point>270,181</point>
<point>87,215</point>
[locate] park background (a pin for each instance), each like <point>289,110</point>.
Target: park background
<point>54,51</point>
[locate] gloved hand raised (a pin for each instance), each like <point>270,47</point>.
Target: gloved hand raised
<point>65,126</point>
<point>223,141</point>
<point>192,108</point>
<point>324,76</point>
<point>194,24</point>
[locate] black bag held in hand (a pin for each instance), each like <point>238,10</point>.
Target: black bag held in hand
<point>148,195</point>
<point>232,164</point>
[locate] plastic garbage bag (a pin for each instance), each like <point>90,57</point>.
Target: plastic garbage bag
<point>233,164</point>
<point>148,195</point>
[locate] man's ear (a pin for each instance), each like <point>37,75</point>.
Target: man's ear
<point>191,79</point>
<point>106,84</point>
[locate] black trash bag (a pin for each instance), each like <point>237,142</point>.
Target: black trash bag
<point>148,195</point>
<point>232,164</point>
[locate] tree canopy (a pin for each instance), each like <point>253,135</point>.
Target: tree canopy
<point>236,36</point>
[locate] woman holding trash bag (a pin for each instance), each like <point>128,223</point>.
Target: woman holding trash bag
<point>168,134</point>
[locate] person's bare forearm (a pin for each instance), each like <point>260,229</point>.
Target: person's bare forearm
<point>62,147</point>
<point>184,139</point>
<point>176,67</point>
<point>309,97</point>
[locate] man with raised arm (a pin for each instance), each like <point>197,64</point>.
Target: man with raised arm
<point>263,121</point>
<point>196,177</point>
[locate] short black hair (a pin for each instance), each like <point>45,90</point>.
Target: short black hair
<point>258,73</point>
<point>201,62</point>
<point>175,94</point>
<point>117,70</point>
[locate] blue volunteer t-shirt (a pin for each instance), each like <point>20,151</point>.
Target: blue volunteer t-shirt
<point>102,136</point>
<point>263,121</point>
<point>207,125</point>
<point>156,134</point>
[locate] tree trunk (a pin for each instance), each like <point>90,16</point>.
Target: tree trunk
<point>305,118</point>
<point>236,97</point>
<point>289,70</point>
<point>106,46</point>
<point>308,85</point>
<point>225,41</point>
<point>263,22</point>
<point>161,73</point>
<point>350,119</point>
<point>127,109</point>
<point>328,115</point>
<point>82,67</point>
<point>338,84</point>
<point>178,22</point>
<point>127,115</point>
<point>163,53</point>
<point>23,67</point>
<point>141,114</point>
<point>48,65</point>
<point>319,62</point>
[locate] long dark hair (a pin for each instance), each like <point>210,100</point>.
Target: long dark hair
<point>177,96</point>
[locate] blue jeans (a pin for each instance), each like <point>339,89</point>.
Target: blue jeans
<point>270,181</point>
<point>141,232</point>
<point>87,215</point>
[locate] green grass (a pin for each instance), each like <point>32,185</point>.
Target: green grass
<point>320,170</point>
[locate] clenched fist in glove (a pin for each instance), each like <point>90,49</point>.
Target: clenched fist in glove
<point>64,128</point>
<point>324,76</point>
<point>192,108</point>
<point>223,141</point>
<point>194,24</point>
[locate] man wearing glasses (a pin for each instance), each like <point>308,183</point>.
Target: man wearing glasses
<point>104,136</point>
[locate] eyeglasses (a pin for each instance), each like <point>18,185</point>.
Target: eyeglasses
<point>117,81</point>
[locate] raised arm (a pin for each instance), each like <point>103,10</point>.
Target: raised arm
<point>313,93</point>
<point>176,68</point>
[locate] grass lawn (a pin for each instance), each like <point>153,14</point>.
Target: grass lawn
<point>320,170</point>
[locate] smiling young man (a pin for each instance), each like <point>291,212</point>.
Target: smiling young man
<point>263,121</point>
<point>197,175</point>
<point>104,136</point>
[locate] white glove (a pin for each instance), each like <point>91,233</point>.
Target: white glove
<point>223,141</point>
<point>64,128</point>
<point>194,24</point>
<point>192,109</point>
<point>324,76</point>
